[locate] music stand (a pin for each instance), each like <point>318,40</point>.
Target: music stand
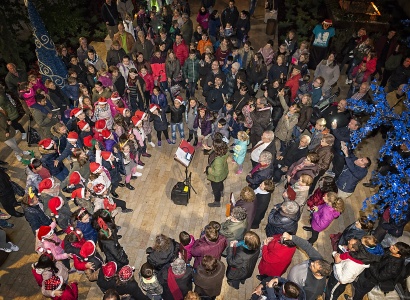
<point>184,155</point>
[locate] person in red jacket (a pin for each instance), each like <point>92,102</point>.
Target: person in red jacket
<point>293,81</point>
<point>276,256</point>
<point>180,49</point>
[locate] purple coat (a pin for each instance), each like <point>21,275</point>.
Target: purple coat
<point>204,247</point>
<point>323,217</point>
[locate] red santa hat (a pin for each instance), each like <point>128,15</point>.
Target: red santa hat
<point>115,96</point>
<point>88,141</point>
<point>53,283</point>
<point>153,107</point>
<point>78,193</point>
<point>75,112</point>
<point>95,167</point>
<point>83,125</point>
<point>106,134</point>
<point>75,178</point>
<point>46,144</point>
<point>106,155</point>
<point>55,204</point>
<point>109,269</point>
<point>140,114</point>
<point>87,249</point>
<point>136,120</point>
<point>45,184</point>
<point>72,136</point>
<point>102,101</point>
<point>99,188</point>
<point>100,125</point>
<point>328,22</point>
<point>44,232</point>
<point>122,110</point>
<point>179,99</point>
<point>126,272</point>
<point>76,231</point>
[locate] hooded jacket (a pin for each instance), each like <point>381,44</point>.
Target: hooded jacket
<point>280,222</point>
<point>203,246</point>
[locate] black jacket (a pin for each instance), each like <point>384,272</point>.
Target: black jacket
<point>35,217</point>
<point>158,259</point>
<point>114,57</point>
<point>259,176</point>
<point>385,272</point>
<point>292,154</point>
<point>105,284</point>
<point>114,252</point>
<point>214,99</point>
<point>132,288</point>
<point>241,264</point>
<point>59,98</point>
<point>279,223</point>
<point>177,114</point>
<point>230,16</point>
<point>184,282</point>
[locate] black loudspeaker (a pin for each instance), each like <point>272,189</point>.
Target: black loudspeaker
<point>180,194</point>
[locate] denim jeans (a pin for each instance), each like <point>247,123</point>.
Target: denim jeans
<point>62,175</point>
<point>174,130</point>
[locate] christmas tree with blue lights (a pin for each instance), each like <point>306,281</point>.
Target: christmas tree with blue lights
<point>394,187</point>
<point>50,64</point>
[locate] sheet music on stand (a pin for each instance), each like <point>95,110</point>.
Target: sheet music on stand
<point>184,153</point>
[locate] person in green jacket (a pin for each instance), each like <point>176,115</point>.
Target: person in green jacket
<point>217,169</point>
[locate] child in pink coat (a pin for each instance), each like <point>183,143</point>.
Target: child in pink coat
<point>324,214</point>
<point>186,242</point>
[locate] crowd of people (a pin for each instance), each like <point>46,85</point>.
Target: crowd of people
<point>208,82</point>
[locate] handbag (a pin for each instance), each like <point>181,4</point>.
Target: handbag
<point>334,240</point>
<point>18,190</point>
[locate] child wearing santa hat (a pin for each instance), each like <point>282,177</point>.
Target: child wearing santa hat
<point>146,125</point>
<point>73,240</point>
<point>83,221</point>
<point>47,189</point>
<point>60,212</point>
<point>59,290</point>
<point>73,141</point>
<point>102,111</point>
<point>82,198</point>
<point>49,156</point>
<point>129,163</point>
<point>102,200</point>
<point>85,129</point>
<point>47,239</point>
<point>177,118</point>
<point>158,116</point>
<point>119,127</point>
<point>138,137</point>
<point>35,173</point>
<point>113,164</point>
<point>159,98</point>
<point>106,276</point>
<point>110,139</point>
<point>88,260</point>
<point>34,210</point>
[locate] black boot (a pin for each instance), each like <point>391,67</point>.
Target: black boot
<point>196,141</point>
<point>190,138</point>
<point>129,186</point>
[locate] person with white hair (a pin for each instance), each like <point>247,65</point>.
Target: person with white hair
<point>283,217</point>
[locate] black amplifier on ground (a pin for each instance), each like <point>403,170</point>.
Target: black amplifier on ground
<point>180,194</point>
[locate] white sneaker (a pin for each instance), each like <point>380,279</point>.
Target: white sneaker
<point>140,167</point>
<point>24,136</point>
<point>138,174</point>
<point>152,144</point>
<point>18,157</point>
<point>6,250</point>
<point>347,81</point>
<point>26,152</point>
<point>16,131</point>
<point>14,247</point>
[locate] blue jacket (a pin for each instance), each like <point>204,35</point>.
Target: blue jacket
<point>88,230</point>
<point>213,26</point>
<point>47,159</point>
<point>236,127</point>
<point>350,176</point>
<point>160,100</point>
<point>69,148</point>
<point>36,217</point>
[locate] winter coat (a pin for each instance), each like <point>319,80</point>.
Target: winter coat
<point>158,69</point>
<point>209,284</point>
<point>5,128</point>
<point>203,19</point>
<point>242,28</point>
<point>351,175</point>
<point>230,16</point>
<point>236,127</point>
<point>250,211</point>
<point>132,288</point>
<point>279,222</point>
<point>275,71</point>
<point>114,252</point>
<point>268,54</point>
<point>239,151</point>
<point>276,257</point>
<point>36,217</point>
<point>241,263</point>
<point>129,40</point>
<point>47,159</point>
<point>311,170</point>
<point>202,45</point>
<point>88,230</point>
<point>44,123</point>
<point>293,84</point>
<point>177,114</point>
<point>330,73</point>
<point>181,52</point>
<point>59,139</point>
<point>351,232</point>
<point>172,68</point>
<point>184,282</point>
<point>190,70</point>
<point>146,49</point>
<point>158,259</point>
<point>203,246</point>
<point>325,158</point>
<point>160,121</point>
<point>316,198</point>
<point>114,57</point>
<point>304,116</point>
<point>284,129</point>
<point>323,217</point>
<point>259,176</point>
<point>233,230</point>
<point>217,169</point>
<point>215,97</point>
<point>348,269</point>
<point>149,82</point>
<point>33,179</point>
<point>160,100</point>
<point>260,119</point>
<point>8,107</point>
<point>191,116</point>
<point>204,125</point>
<point>293,153</point>
<point>214,24</point>
<point>254,76</point>
<point>302,192</point>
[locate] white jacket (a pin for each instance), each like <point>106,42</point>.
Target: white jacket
<point>347,270</point>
